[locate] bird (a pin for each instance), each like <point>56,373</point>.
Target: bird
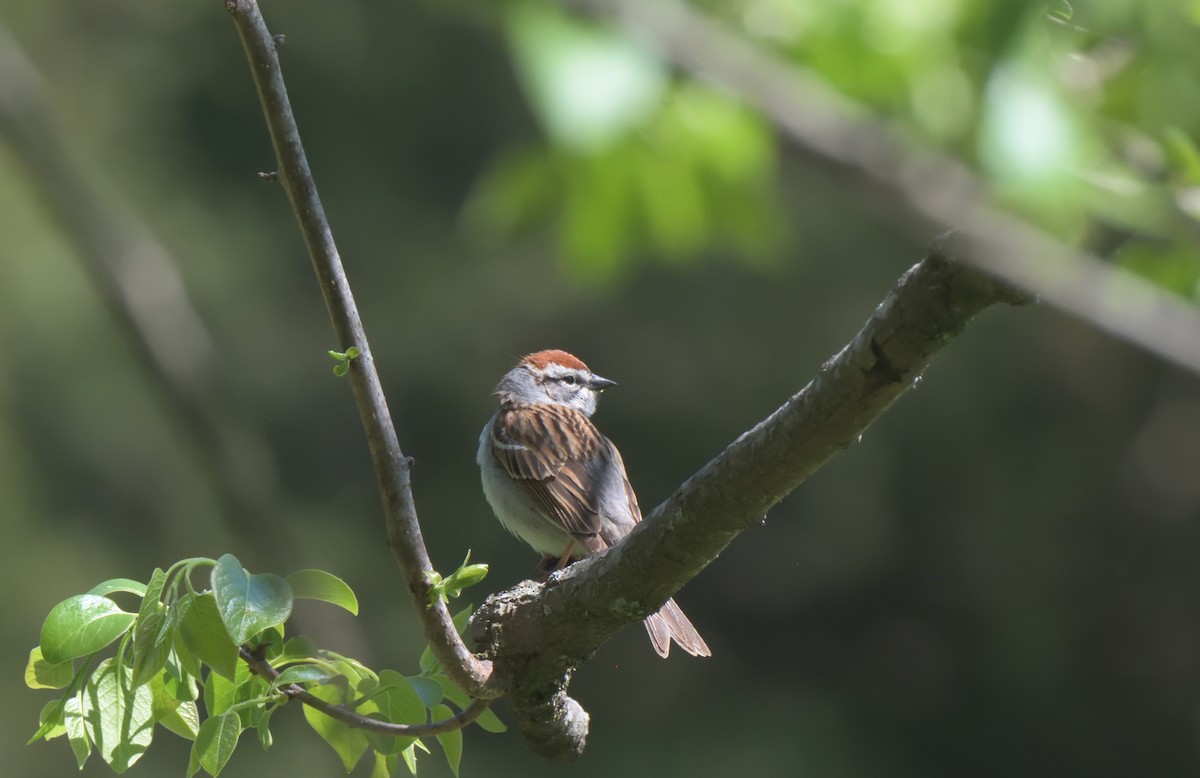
<point>555,482</point>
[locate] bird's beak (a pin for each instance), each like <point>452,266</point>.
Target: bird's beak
<point>600,384</point>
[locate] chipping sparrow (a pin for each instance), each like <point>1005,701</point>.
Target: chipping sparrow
<point>555,482</point>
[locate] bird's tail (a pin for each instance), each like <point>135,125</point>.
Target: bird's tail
<point>670,624</point>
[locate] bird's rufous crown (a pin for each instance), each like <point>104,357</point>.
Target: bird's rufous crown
<point>541,359</point>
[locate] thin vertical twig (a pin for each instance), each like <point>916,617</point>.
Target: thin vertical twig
<point>392,469</point>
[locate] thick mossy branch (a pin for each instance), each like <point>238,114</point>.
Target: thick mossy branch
<point>537,634</point>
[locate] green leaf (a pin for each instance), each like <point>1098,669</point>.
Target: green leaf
<point>215,742</point>
<point>162,697</point>
<point>466,575</point>
<point>264,728</point>
<point>452,692</point>
<point>429,690</point>
<point>343,359</point>
<point>385,765</point>
<point>488,721</point>
<point>344,356</point>
<point>177,681</point>
<point>152,633</point>
<point>320,585</point>
<point>399,702</point>
<point>184,720</point>
<point>460,619</point>
<point>152,642</point>
<point>118,585</point>
<point>428,662</point>
<point>353,675</point>
<point>187,662</point>
<point>269,642</point>
<point>118,717</point>
<point>204,634</point>
<point>76,728</point>
<point>50,721</point>
<point>221,693</point>
<point>248,604</point>
<point>410,755</point>
<point>193,762</point>
<point>299,647</point>
<point>395,701</point>
<point>348,743</point>
<point>451,742</point>
<point>303,674</point>
<point>152,593</point>
<point>179,716</point>
<point>437,585</point>
<point>82,625</point>
<point>40,674</point>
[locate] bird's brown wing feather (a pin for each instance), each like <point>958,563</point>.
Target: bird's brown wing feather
<point>554,453</point>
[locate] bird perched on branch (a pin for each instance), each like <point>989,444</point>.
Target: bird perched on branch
<point>555,482</point>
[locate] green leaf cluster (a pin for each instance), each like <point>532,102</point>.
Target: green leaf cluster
<point>634,162</point>
<point>452,585</point>
<point>1081,119</point>
<point>178,654</point>
<point>343,360</point>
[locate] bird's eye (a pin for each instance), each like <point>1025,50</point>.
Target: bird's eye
<point>569,380</point>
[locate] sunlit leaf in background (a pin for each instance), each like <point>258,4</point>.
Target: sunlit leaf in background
<point>1028,134</point>
<point>588,84</point>
<point>1184,154</point>
<point>1176,268</point>
<point>695,173</point>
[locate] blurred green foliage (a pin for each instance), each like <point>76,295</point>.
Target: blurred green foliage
<point>632,165</point>
<point>999,579</point>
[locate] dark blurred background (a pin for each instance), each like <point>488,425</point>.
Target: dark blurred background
<point>999,579</point>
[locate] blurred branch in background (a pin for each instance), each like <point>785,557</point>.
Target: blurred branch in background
<point>140,285</point>
<point>935,185</point>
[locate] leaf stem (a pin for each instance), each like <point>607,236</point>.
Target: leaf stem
<point>261,667</point>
